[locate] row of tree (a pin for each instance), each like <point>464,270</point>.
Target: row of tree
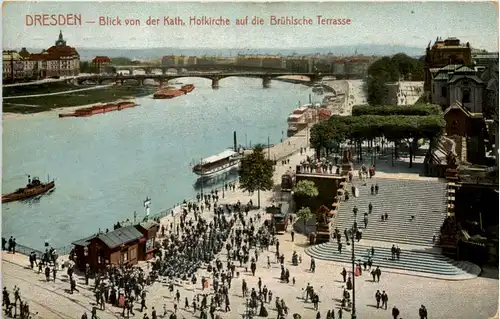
<point>389,70</point>
<point>399,125</point>
<point>416,109</point>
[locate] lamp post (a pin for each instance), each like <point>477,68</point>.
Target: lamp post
<point>147,204</point>
<point>352,233</point>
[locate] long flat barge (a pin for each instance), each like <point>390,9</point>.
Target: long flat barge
<point>100,109</point>
<point>170,92</point>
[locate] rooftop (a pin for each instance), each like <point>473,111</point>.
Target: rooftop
<point>114,238</point>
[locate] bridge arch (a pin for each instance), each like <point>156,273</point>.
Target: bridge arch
<point>157,71</point>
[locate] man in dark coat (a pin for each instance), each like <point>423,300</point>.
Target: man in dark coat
<point>395,312</point>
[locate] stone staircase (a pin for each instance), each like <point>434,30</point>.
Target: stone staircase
<point>410,260</point>
<point>400,199</point>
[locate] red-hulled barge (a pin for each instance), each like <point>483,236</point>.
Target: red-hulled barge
<point>187,88</point>
<point>99,109</point>
<point>32,189</point>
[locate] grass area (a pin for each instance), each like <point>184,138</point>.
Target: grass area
<point>39,89</point>
<point>42,104</point>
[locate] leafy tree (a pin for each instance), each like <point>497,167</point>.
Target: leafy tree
<point>121,61</point>
<point>387,70</point>
<point>85,67</point>
<point>408,128</point>
<point>305,214</point>
<point>416,109</point>
<point>306,188</point>
<point>256,172</point>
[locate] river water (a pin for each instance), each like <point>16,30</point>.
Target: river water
<point>106,165</point>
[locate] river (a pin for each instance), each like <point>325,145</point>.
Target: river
<point>106,165</point>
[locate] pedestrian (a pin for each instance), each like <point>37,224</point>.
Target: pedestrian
<point>47,273</point>
<point>422,312</point>
<point>378,298</point>
<point>385,299</point>
<point>395,312</point>
<point>344,274</point>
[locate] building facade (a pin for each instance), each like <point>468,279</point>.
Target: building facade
<point>15,67</point>
<point>101,64</point>
<point>460,83</point>
<point>442,53</point>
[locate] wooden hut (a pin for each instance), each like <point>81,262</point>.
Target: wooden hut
<point>119,247</point>
<point>147,248</point>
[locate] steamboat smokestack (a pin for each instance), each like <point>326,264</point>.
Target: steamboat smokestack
<point>234,141</point>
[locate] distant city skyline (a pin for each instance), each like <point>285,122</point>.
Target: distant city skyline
<point>396,24</point>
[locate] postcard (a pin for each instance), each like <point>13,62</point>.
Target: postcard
<point>244,159</point>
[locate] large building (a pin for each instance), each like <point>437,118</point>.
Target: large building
<point>442,53</point>
<point>101,64</point>
<point>261,61</point>
<point>15,66</point>
<point>58,60</point>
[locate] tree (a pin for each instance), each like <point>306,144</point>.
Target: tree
<point>305,214</point>
<point>416,109</point>
<point>387,70</point>
<point>121,61</point>
<point>256,173</point>
<point>306,188</point>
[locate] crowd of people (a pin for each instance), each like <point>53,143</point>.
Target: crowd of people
<point>12,307</point>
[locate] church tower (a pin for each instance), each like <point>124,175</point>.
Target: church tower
<point>60,42</point>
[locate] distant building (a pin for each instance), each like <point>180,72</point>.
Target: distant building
<point>299,64</point>
<point>460,83</point>
<point>101,64</point>
<point>15,67</point>
<point>58,60</point>
<point>442,53</point>
<point>206,60</point>
<point>404,93</point>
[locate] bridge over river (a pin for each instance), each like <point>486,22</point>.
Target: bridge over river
<point>215,77</point>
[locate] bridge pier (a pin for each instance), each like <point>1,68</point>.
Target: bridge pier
<point>215,83</point>
<point>266,82</point>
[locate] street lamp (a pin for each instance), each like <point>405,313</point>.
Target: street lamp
<point>351,234</point>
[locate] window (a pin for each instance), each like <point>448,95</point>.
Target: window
<point>443,91</point>
<point>133,253</point>
<point>124,257</point>
<point>150,244</point>
<point>465,96</point>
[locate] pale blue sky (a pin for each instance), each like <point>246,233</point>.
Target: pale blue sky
<point>410,24</point>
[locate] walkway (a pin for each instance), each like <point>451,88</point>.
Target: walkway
<point>57,93</point>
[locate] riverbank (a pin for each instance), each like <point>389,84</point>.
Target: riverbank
<point>69,109</point>
<point>35,104</point>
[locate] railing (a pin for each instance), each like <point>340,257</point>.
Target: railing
<point>25,250</point>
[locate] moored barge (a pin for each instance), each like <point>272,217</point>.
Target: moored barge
<point>100,109</point>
